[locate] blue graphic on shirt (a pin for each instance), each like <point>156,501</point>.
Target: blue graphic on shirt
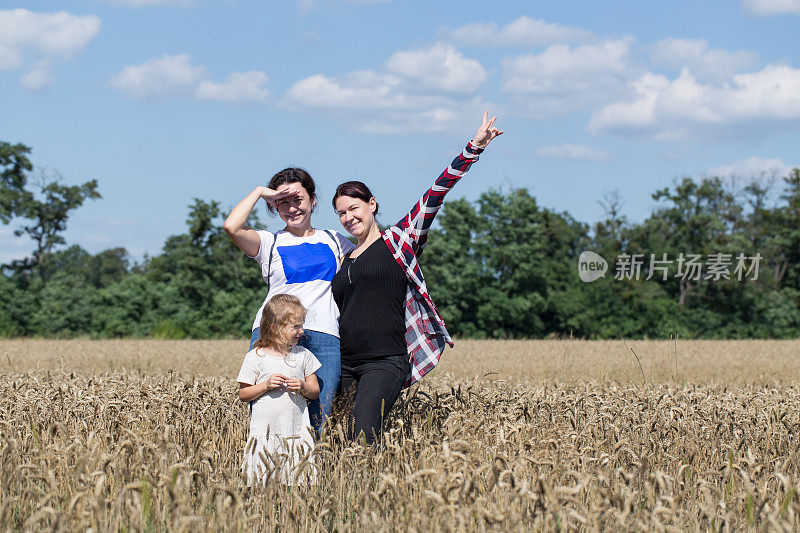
<point>307,262</point>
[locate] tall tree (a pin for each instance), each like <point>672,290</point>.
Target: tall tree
<point>14,169</point>
<point>48,211</point>
<point>788,232</point>
<point>211,287</point>
<point>503,267</point>
<point>693,218</point>
<point>45,205</point>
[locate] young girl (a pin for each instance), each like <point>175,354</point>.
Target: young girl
<point>277,378</point>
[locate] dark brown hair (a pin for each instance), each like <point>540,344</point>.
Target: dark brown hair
<point>293,175</point>
<point>280,310</point>
<point>354,189</point>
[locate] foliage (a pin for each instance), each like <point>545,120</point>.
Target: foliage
<point>499,267</point>
<point>45,209</point>
<point>14,166</point>
<point>503,267</point>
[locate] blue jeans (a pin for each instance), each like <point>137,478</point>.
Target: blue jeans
<point>325,348</point>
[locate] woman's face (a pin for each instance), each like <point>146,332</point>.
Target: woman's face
<point>356,215</point>
<point>295,210</point>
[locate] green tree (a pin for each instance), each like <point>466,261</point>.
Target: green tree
<point>693,218</point>
<point>14,169</point>
<point>45,205</point>
<point>211,288</point>
<point>99,270</point>
<point>48,212</point>
<point>503,267</point>
<point>786,224</point>
<point>108,267</point>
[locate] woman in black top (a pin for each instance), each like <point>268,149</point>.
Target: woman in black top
<point>386,315</point>
<point>370,293</point>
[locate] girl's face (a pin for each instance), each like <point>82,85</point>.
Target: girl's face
<point>356,215</point>
<point>295,210</point>
<point>292,331</point>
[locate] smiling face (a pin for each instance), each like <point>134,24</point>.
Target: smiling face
<point>356,215</point>
<point>295,210</point>
<point>292,330</point>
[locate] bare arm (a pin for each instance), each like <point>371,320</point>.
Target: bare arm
<point>248,393</point>
<point>247,239</point>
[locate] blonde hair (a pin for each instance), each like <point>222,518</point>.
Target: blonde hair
<point>280,310</point>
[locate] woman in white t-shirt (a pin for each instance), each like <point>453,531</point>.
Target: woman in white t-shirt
<point>298,260</point>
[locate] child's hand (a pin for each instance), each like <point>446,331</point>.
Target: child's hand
<point>294,385</point>
<point>276,381</point>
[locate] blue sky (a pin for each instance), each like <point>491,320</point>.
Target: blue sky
<point>163,101</point>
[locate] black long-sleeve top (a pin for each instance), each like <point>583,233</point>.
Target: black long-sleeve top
<point>370,291</point>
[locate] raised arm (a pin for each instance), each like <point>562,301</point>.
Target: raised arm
<point>245,238</point>
<point>417,222</point>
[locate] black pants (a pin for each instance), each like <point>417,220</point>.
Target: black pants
<point>373,385</point>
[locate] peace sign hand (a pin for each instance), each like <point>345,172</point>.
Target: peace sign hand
<point>486,132</point>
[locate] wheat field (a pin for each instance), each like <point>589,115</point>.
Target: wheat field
<point>504,435</point>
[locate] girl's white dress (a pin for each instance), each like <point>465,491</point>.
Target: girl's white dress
<point>280,428</point>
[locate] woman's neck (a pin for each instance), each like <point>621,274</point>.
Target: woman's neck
<point>305,231</point>
<point>372,235</point>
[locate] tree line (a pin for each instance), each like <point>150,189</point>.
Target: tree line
<point>710,261</point>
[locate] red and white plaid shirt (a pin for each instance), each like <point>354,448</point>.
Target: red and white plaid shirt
<point>426,334</point>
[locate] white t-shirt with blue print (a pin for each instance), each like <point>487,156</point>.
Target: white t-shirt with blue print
<point>304,267</point>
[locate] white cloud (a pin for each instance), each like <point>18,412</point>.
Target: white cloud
<point>524,32</point>
<point>572,151</point>
<point>37,80</point>
<point>364,89</point>
<point>753,167</point>
<point>686,108</point>
<point>176,76</point>
<point>28,37</point>
<point>439,68</point>
<point>456,117</point>
<point>240,87</point>
<point>169,75</point>
<point>564,78</point>
<point>408,94</point>
<point>35,41</point>
<point>772,7</point>
<point>705,64</point>
<point>377,103</point>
